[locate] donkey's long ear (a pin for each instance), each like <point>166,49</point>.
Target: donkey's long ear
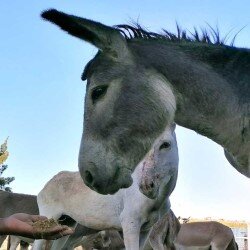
<point>105,38</point>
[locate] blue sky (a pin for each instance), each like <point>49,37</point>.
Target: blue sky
<point>42,96</point>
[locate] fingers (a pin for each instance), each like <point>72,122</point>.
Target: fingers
<point>58,229</point>
<point>57,232</point>
<point>63,230</point>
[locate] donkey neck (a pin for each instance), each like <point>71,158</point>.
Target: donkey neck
<point>206,101</point>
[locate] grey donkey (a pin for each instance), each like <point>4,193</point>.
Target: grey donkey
<point>141,81</point>
<point>192,236</point>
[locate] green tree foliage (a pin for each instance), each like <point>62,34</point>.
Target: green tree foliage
<point>4,182</point>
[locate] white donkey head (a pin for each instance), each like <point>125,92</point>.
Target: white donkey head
<point>159,168</point>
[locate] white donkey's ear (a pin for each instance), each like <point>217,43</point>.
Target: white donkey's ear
<point>105,38</point>
<point>173,126</point>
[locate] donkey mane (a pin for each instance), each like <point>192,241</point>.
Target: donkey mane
<point>208,36</point>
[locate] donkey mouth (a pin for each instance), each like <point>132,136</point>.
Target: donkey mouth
<point>122,182</point>
<point>110,189</point>
<point>122,179</point>
<point>105,180</point>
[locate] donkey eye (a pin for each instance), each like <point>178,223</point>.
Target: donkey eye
<point>98,92</point>
<point>165,145</point>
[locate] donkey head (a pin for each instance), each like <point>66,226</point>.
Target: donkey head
<point>160,166</point>
<point>124,112</point>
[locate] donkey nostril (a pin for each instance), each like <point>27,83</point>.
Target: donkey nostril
<point>88,177</point>
<point>152,185</point>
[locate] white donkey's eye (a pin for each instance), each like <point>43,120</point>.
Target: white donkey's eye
<point>165,145</point>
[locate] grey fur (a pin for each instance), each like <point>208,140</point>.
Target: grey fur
<point>209,82</point>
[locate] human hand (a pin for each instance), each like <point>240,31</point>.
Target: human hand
<point>23,225</point>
